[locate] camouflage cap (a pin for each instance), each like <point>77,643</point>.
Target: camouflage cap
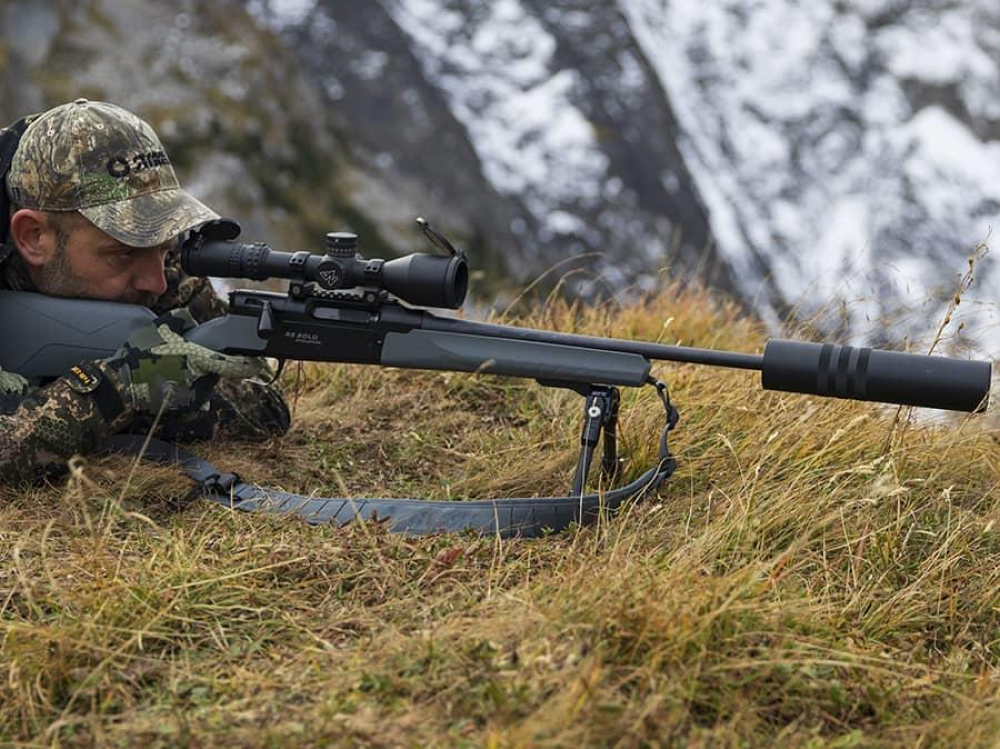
<point>108,164</point>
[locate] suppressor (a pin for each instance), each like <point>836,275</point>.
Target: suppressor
<point>875,375</point>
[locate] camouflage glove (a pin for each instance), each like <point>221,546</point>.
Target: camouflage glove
<point>159,369</point>
<point>12,384</point>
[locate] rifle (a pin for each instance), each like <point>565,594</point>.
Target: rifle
<point>341,307</point>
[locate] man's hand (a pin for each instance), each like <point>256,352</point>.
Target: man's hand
<point>159,369</point>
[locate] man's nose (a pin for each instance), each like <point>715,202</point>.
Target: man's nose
<point>149,274</point>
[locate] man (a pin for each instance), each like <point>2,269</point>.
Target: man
<point>96,212</point>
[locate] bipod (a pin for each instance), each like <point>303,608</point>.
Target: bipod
<point>600,416</point>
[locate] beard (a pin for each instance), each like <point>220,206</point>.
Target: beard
<point>56,278</point>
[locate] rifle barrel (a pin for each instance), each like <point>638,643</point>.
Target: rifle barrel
<point>656,351</point>
<point>810,368</point>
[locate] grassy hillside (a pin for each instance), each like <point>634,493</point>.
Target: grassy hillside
<point>817,574</point>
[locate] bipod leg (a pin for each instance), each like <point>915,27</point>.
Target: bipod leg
<point>600,414</point>
<point>609,463</point>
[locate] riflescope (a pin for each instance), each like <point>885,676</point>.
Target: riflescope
<point>417,278</point>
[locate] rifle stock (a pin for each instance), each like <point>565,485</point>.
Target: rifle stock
<point>44,336</point>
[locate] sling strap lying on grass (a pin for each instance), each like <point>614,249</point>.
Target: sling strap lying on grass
<point>524,517</point>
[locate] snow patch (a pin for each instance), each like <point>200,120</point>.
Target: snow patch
<point>279,14</point>
<point>822,178</point>
<point>935,47</point>
<point>945,152</point>
<point>497,71</point>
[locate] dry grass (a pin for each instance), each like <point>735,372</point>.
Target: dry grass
<point>798,583</point>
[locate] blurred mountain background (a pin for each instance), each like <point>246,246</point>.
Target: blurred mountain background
<point>838,155</point>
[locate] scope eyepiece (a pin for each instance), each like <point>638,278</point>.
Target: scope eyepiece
<point>418,278</point>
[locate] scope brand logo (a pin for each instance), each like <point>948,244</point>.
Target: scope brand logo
<point>330,277</point>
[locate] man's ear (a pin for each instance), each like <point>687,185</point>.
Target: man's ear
<point>33,237</point>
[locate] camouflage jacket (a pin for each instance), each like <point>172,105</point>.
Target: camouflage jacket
<point>42,429</point>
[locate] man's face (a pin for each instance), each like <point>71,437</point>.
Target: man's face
<point>89,264</point>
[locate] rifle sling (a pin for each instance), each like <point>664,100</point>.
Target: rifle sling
<point>524,517</point>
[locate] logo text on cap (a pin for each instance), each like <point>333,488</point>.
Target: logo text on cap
<point>123,165</point>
